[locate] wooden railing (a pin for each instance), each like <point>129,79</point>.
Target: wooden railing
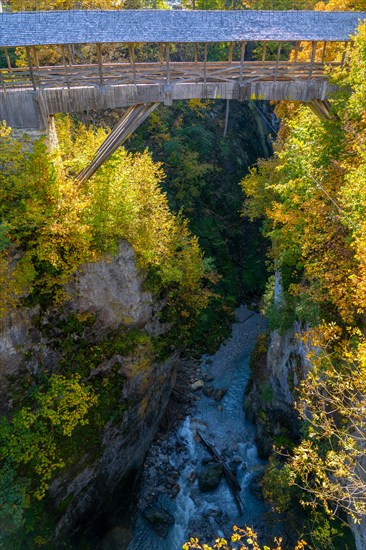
<point>157,73</point>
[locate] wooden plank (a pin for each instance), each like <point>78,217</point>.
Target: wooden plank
<point>65,66</point>
<point>131,49</point>
<point>35,56</point>
<point>313,52</point>
<point>7,58</point>
<point>100,63</point>
<point>344,53</point>
<point>277,61</point>
<point>161,54</point>
<point>29,57</point>
<point>231,45</point>
<point>167,60</point>
<point>264,51</point>
<point>323,51</point>
<point>205,65</point>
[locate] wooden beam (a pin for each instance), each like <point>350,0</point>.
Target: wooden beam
<point>161,54</point>
<point>277,61</point>
<point>71,55</point>
<point>313,52</point>
<point>100,63</point>
<point>131,119</point>
<point>131,49</point>
<point>35,55</point>
<point>27,49</point>
<point>344,53</point>
<point>323,51</point>
<point>264,51</point>
<point>65,65</point>
<point>205,64</point>
<point>2,81</point>
<point>7,58</point>
<point>242,57</point>
<point>231,45</point>
<point>167,60</point>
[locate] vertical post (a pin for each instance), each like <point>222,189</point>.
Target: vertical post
<point>167,59</point>
<point>161,54</point>
<point>313,52</point>
<point>264,51</point>
<point>231,52</point>
<point>131,50</point>
<point>277,61</point>
<point>7,58</point>
<point>2,81</point>
<point>71,56</point>
<point>65,65</point>
<point>205,65</point>
<point>242,55</point>
<point>27,49</point>
<point>344,53</point>
<point>323,52</point>
<point>196,53</point>
<point>100,63</point>
<point>297,47</point>
<point>35,55</point>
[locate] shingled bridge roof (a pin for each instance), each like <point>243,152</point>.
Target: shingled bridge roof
<point>79,27</point>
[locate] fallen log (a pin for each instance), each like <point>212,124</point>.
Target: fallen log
<point>231,480</point>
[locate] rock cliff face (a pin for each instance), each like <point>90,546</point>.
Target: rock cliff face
<point>104,300</point>
<point>278,366</point>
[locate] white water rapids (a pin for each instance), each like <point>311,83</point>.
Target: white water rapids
<point>210,514</point>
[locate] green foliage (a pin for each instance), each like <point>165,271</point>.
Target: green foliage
<point>13,501</point>
<point>202,170</point>
<point>32,436</point>
<point>276,485</point>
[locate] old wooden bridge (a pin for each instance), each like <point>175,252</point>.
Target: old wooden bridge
<point>138,59</point>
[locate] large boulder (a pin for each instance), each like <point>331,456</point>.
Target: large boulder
<point>210,476</point>
<point>159,519</point>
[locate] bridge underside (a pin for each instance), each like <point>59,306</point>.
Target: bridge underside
<point>27,108</point>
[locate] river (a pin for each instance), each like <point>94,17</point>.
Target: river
<point>181,456</point>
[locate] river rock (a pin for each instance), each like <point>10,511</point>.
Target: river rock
<point>192,476</point>
<point>210,477</point>
<point>159,519</point>
<point>208,391</point>
<point>117,539</point>
<point>197,385</point>
<point>175,490</point>
<point>219,394</point>
<point>255,487</point>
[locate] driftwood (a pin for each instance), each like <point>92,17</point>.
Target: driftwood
<point>233,483</point>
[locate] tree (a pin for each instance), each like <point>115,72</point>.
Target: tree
<point>330,463</point>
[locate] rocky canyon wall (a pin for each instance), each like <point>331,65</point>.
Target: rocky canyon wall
<point>105,330</point>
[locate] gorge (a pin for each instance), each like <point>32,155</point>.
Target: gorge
<point>123,328</point>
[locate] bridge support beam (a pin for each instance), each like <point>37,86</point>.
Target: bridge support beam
<point>130,121</point>
<point>321,108</point>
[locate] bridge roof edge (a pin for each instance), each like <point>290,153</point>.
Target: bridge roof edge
<point>126,26</point>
